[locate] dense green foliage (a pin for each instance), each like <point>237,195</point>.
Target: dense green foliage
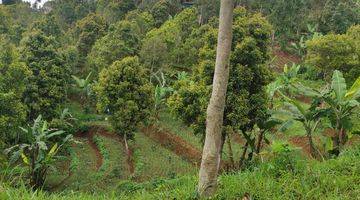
<point>88,30</point>
<point>290,18</point>
<point>336,52</point>
<point>169,47</point>
<point>122,40</point>
<point>12,109</point>
<point>140,60</point>
<point>37,154</point>
<point>69,11</point>
<point>125,93</point>
<point>246,98</point>
<point>114,10</point>
<point>48,83</point>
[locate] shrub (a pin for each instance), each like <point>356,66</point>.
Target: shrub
<point>335,52</point>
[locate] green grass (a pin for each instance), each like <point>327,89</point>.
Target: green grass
<point>84,174</point>
<point>117,161</point>
<point>308,180</point>
<point>152,160</point>
<point>168,121</point>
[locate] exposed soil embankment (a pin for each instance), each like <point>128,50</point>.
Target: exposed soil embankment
<point>174,143</point>
<point>103,132</point>
<point>283,58</point>
<point>96,151</point>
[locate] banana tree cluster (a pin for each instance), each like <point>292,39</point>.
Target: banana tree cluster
<point>335,102</point>
<point>37,154</point>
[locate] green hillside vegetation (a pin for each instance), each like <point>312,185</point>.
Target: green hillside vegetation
<point>108,99</point>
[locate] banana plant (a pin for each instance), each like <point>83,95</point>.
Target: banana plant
<point>308,116</point>
<point>37,155</point>
<point>160,93</point>
<point>342,103</point>
<point>83,84</point>
<point>339,103</point>
<point>300,46</point>
<point>284,81</point>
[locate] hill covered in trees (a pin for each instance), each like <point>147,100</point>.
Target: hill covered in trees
<point>109,99</point>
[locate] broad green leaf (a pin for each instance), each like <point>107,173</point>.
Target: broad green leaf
<point>295,103</point>
<point>329,144</point>
<point>338,84</point>
<point>53,150</point>
<point>307,91</point>
<point>42,145</point>
<point>271,123</point>
<point>25,159</point>
<point>55,134</point>
<point>354,91</point>
<point>285,126</point>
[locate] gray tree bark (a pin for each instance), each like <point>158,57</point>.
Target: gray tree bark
<point>215,112</point>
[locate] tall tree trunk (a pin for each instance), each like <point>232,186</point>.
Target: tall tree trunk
<point>215,112</point>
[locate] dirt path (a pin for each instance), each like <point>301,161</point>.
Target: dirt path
<point>174,143</point>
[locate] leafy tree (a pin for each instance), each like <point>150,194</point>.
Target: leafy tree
<point>165,49</point>
<point>49,26</point>
<point>13,79</point>
<point>115,10</point>
<point>338,15</point>
<point>48,83</point>
<point>335,52</point>
<point>89,29</point>
<point>246,100</point>
<point>36,154</point>
<point>70,11</point>
<point>144,20</point>
<point>125,93</point>
<point>122,40</point>
<point>163,10</point>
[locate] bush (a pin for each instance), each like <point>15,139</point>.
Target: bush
<point>336,52</point>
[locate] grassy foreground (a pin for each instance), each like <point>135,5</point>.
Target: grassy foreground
<point>284,177</point>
